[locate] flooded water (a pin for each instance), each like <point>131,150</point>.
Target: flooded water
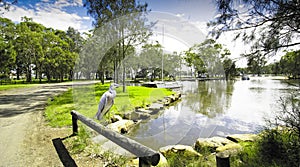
<point>213,108</point>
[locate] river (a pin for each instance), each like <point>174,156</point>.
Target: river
<point>214,108</point>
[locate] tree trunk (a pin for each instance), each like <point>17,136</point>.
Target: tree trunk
<point>70,78</point>
<point>116,76</point>
<point>40,77</point>
<point>48,76</point>
<point>102,78</point>
<point>28,74</point>
<point>226,75</point>
<point>61,77</point>
<point>124,69</point>
<point>123,65</point>
<point>36,74</point>
<point>88,75</point>
<point>18,73</point>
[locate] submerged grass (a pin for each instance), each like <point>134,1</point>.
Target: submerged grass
<point>85,99</point>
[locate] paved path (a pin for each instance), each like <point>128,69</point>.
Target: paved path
<point>25,140</point>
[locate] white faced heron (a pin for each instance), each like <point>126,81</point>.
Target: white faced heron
<point>106,101</point>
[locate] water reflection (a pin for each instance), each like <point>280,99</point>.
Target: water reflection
<point>209,98</point>
<point>213,108</point>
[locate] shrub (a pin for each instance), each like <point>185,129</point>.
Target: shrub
<point>279,143</point>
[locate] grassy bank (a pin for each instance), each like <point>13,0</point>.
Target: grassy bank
<point>274,148</point>
<point>85,100</point>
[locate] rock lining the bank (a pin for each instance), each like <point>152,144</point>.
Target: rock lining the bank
<point>222,147</point>
<point>123,125</point>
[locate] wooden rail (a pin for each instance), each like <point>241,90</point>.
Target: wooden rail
<point>146,155</point>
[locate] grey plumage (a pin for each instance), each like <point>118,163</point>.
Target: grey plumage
<point>106,101</point>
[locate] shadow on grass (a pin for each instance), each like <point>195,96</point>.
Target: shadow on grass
<point>63,153</point>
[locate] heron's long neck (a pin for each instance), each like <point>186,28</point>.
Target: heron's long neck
<point>113,92</point>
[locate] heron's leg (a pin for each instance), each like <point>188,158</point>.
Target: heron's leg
<point>103,122</point>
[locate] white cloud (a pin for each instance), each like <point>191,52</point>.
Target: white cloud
<point>52,15</point>
<point>174,32</point>
<point>180,15</point>
<point>202,26</point>
<point>180,34</point>
<point>170,43</point>
<point>66,3</point>
<point>86,18</point>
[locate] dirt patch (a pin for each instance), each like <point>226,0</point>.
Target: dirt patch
<point>38,147</point>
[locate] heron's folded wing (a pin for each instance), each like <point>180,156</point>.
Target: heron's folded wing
<point>101,105</point>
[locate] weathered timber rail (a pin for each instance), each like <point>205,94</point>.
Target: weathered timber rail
<point>146,155</point>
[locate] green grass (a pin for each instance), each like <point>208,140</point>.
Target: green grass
<point>82,146</point>
<point>137,97</point>
<point>184,159</point>
<point>274,148</point>
<point>15,86</point>
<point>85,100</point>
<point>59,108</point>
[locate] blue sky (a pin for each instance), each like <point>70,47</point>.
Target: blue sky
<point>193,10</point>
<point>60,13</point>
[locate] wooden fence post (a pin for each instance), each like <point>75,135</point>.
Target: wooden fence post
<point>222,161</point>
<point>143,162</point>
<point>74,123</point>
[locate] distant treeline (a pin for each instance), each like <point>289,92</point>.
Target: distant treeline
<point>289,65</point>
<point>29,48</point>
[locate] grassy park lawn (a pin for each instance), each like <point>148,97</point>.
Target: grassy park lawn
<point>85,100</point>
<point>14,86</point>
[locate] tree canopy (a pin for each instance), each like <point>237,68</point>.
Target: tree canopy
<point>268,25</point>
<point>122,24</point>
<point>210,58</point>
<point>28,47</point>
<point>290,64</point>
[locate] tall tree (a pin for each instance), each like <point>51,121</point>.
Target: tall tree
<point>71,42</point>
<point>77,40</point>
<point>133,62</point>
<point>193,60</point>
<point>268,24</point>
<point>124,19</point>
<point>255,64</point>
<point>7,52</point>
<point>151,59</point>
<point>28,46</point>
<point>290,64</point>
<point>228,64</point>
<point>171,64</point>
<point>206,58</point>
